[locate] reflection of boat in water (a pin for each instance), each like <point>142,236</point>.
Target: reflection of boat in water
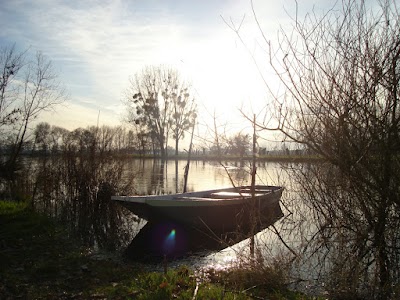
<point>220,210</point>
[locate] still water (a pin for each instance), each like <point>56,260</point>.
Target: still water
<point>77,191</point>
<point>154,177</point>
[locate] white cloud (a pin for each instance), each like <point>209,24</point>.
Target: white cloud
<point>72,116</point>
<point>97,45</point>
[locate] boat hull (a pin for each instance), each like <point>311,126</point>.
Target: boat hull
<point>219,214</point>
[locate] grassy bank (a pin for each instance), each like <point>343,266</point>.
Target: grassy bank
<point>39,260</point>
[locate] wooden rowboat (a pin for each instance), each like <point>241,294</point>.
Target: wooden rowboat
<point>220,210</point>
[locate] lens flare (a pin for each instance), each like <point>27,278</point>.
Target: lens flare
<point>171,235</point>
<point>169,243</point>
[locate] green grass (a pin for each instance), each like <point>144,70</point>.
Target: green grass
<point>40,260</point>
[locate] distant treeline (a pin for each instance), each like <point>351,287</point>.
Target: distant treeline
<point>51,140</point>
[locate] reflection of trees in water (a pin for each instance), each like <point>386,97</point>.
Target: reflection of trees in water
<point>156,186</point>
<point>77,190</point>
<point>237,171</point>
<point>149,175</point>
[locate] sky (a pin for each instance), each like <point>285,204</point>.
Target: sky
<point>96,46</point>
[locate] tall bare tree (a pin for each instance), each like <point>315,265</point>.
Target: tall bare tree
<point>184,112</point>
<point>41,91</point>
<point>27,89</point>
<point>341,73</point>
<point>158,99</point>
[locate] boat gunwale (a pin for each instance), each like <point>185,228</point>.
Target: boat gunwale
<point>195,198</point>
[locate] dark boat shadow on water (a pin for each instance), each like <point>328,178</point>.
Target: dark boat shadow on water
<point>168,240</point>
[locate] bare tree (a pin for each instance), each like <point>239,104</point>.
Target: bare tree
<point>158,99</point>
<point>43,136</point>
<point>239,144</point>
<point>184,112</point>
<point>341,73</point>
<point>139,138</point>
<point>57,135</point>
<point>26,90</point>
<point>41,92</point>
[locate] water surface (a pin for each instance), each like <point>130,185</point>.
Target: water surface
<point>154,177</point>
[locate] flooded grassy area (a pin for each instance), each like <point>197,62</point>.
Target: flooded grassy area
<point>40,260</point>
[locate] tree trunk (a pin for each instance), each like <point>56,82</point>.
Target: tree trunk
<point>162,151</point>
<point>176,146</point>
<point>382,258</point>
